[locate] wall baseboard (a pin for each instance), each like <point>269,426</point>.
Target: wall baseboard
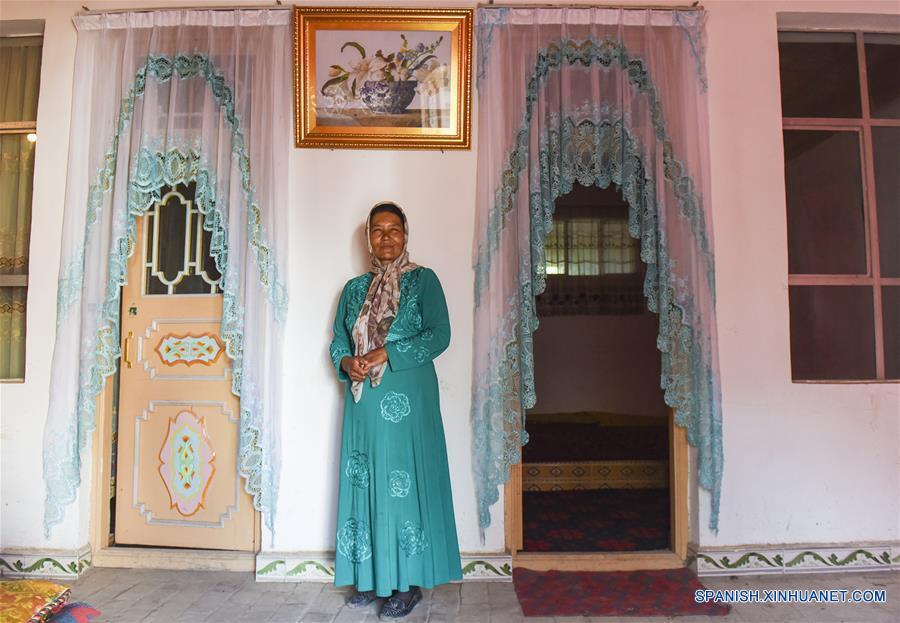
<point>794,558</point>
<point>319,567</point>
<point>56,564</point>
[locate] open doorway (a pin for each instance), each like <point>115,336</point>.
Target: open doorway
<point>596,472</point>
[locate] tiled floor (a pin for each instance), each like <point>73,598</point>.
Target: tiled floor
<point>132,595</point>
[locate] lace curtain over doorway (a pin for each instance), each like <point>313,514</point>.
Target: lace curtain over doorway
<point>163,97</point>
<point>599,97</point>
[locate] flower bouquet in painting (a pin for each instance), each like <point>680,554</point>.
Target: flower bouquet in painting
<point>386,83</point>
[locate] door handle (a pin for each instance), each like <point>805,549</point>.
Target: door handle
<point>126,354</point>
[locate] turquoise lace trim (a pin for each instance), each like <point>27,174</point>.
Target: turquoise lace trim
<point>597,151</point>
<point>488,19</point>
<point>63,474</point>
<point>68,287</point>
<point>604,55</point>
<point>70,284</point>
<point>163,68</point>
<point>691,24</point>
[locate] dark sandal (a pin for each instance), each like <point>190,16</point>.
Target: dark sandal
<point>396,607</point>
<point>361,599</point>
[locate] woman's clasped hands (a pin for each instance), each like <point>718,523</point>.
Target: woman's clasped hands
<point>359,367</point>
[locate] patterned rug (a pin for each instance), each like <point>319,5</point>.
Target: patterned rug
<point>668,592</point>
<point>599,520</point>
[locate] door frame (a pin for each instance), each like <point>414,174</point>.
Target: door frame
<point>104,553</point>
<point>608,561</point>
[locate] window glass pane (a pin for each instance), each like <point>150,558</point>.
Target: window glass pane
<point>883,73</point>
<point>832,333</point>
<point>12,332</point>
<point>826,226</point>
<point>20,77</point>
<point>890,303</point>
<point>886,146</point>
<point>618,248</point>
<point>16,175</point>
<point>584,247</point>
<point>806,60</point>
<point>554,249</point>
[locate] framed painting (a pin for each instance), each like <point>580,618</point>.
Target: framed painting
<point>382,78</point>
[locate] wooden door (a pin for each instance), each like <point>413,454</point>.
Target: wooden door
<point>177,481</point>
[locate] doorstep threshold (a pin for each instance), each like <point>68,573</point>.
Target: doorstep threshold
<point>173,558</point>
<point>598,561</point>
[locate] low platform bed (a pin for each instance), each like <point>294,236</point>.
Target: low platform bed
<point>576,451</point>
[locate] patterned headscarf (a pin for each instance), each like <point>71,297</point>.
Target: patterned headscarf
<point>382,301</point>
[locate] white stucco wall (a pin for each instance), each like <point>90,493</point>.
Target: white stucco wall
<point>598,363</point>
<point>804,463</point>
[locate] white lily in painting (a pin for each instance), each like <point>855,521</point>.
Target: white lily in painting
<point>366,69</point>
<point>433,79</point>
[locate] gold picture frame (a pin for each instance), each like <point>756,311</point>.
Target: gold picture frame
<point>382,78</point>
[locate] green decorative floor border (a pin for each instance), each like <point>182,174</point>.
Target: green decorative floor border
<point>319,567</point>
<point>796,559</point>
<point>46,564</point>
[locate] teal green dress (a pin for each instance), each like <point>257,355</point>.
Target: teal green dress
<point>395,524</point>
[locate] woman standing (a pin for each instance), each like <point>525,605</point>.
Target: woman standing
<point>395,525</point>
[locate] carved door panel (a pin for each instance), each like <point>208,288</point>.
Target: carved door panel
<point>177,480</point>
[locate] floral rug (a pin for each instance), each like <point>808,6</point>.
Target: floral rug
<point>668,592</point>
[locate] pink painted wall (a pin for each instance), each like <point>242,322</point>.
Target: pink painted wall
<point>804,463</point>
<point>598,363</point>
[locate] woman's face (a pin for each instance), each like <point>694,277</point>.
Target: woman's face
<point>387,236</point>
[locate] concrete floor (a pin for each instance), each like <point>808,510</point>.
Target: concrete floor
<point>150,596</point>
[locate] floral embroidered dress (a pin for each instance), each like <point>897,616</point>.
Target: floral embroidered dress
<point>395,523</point>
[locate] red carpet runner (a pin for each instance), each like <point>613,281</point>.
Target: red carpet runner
<point>668,592</point>
<point>598,520</point>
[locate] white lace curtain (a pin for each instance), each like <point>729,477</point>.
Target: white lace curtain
<point>171,97</point>
<point>598,97</point>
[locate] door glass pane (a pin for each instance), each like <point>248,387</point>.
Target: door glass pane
<point>819,74</point>
<point>20,77</point>
<point>883,73</point>
<point>886,146</point>
<point>177,257</point>
<point>171,230</point>
<point>826,224</point>
<point>832,333</point>
<point>890,304</point>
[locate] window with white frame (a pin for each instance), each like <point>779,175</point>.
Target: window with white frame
<point>20,70</point>
<point>840,95</point>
